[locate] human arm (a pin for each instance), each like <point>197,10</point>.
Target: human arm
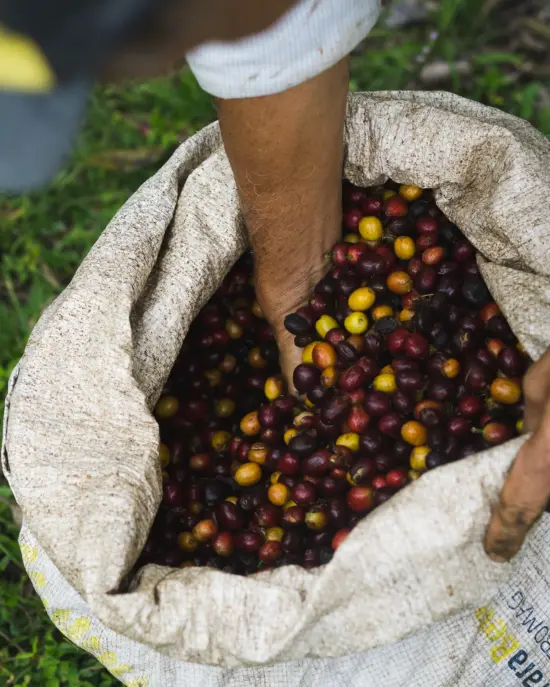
<point>286,153</point>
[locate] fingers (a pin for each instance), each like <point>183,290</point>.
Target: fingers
<point>522,500</point>
<point>536,388</point>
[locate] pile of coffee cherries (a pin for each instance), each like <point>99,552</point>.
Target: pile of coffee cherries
<point>408,365</point>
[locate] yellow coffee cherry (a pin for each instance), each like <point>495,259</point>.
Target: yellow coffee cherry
<point>385,382</point>
<point>519,426</point>
<point>418,458</point>
<point>410,193</point>
<point>404,247</point>
<point>387,370</point>
<point>234,330</point>
<point>213,377</point>
<point>250,425</point>
<point>324,324</point>
<point>187,542</point>
<point>329,377</point>
<point>388,194</point>
<point>258,453</point>
<point>413,475</point>
<point>289,435</point>
<point>248,474</point>
<point>406,315</point>
<point>273,388</point>
<point>278,494</point>
<point>274,534</point>
<point>362,298</point>
<point>356,323</point>
<point>224,407</point>
<point>371,228</point>
<point>414,433</point>
<point>381,311</point>
<point>351,238</point>
<point>349,440</point>
<point>232,499</point>
<point>274,477</point>
<point>220,441</point>
<point>307,353</point>
<point>166,407</point>
<point>164,455</point>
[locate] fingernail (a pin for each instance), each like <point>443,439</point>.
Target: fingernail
<point>496,558</point>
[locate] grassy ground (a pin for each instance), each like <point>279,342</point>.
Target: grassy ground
<point>465,46</point>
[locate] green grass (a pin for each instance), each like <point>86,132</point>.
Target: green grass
<point>129,133</point>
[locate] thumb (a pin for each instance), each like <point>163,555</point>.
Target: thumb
<point>522,499</point>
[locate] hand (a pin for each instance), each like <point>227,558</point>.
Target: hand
<point>526,491</point>
<point>278,297</point>
<point>286,152</point>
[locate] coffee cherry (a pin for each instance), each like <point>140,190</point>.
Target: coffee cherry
<point>370,228</point>
<point>205,530</point>
<point>410,193</point>
<point>505,391</point>
<point>270,552</point>
<point>339,538</point>
<point>187,542</point>
<point>316,519</point>
<point>418,458</point>
<point>356,323</point>
<point>167,407</point>
<point>362,299</point>
<point>324,356</point>
<point>385,383</point>
<point>349,440</point>
<point>293,517</point>
<point>278,494</point>
<point>395,206</point>
<point>381,311</point>
<point>248,474</point>
<point>404,247</point>
<point>325,324</point>
<point>306,377</point>
<point>496,433</point>
<point>399,282</point>
<point>417,346</point>
<point>250,424</point>
<point>223,544</point>
<point>414,433</point>
<point>164,456</point>
<point>360,499</point>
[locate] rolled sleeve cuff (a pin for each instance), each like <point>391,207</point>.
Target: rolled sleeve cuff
<point>310,38</point>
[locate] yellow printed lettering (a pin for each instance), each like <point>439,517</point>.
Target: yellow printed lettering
<point>495,630</point>
<point>508,645</point>
<point>484,615</point>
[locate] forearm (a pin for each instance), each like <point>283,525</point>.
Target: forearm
<point>286,154</point>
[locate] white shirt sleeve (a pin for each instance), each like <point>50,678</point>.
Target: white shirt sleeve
<point>307,40</point>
